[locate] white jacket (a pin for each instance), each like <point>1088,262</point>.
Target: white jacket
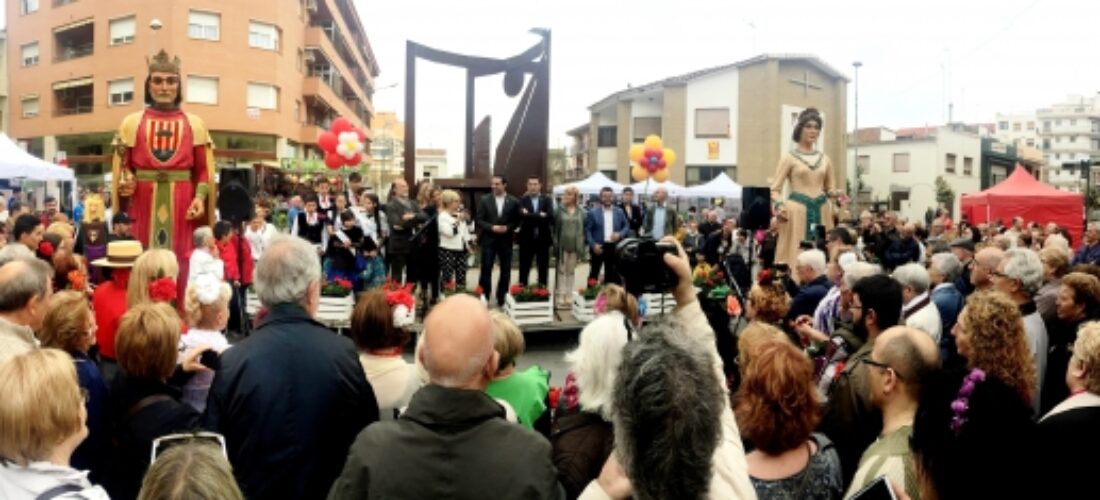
<point>730,479</point>
<point>927,319</point>
<point>27,483</point>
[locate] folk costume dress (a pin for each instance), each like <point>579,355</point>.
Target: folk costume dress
<point>811,179</point>
<point>170,156</point>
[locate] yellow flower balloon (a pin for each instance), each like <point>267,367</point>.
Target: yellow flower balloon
<point>653,142</point>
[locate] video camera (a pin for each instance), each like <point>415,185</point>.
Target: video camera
<point>641,263</point>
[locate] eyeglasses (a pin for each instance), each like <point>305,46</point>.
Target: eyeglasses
<point>164,80</point>
<point>883,366</point>
<point>163,443</point>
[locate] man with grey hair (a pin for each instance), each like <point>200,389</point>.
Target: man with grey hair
<point>943,272</point>
<point>810,272</point>
<point>1090,246</point>
<point>291,397</point>
<point>1019,275</point>
<point>664,451</point>
<point>453,440</point>
<point>917,310</point>
<point>25,290</point>
<point>10,253</point>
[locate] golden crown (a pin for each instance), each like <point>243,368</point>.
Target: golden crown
<point>162,64</point>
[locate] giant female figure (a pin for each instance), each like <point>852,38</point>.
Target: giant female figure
<point>812,184</point>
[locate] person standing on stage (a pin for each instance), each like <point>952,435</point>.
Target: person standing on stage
<point>498,216</point>
<point>535,234</point>
<point>632,211</point>
<point>604,226</point>
<point>403,216</point>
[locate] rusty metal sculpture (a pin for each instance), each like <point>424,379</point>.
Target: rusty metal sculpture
<point>521,152</point>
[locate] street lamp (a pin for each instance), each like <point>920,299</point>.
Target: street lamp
<point>855,134</point>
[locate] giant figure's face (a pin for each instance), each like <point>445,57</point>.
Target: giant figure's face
<point>164,87</point>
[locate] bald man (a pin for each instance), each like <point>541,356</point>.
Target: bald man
<point>985,264</point>
<point>899,363</point>
<point>453,440</point>
<point>660,219</point>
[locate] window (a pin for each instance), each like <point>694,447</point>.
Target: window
<point>901,162</point>
<point>73,97</point>
<point>863,164</point>
<point>712,122</point>
<point>1046,144</point>
<point>120,92</point>
<point>122,30</point>
<point>897,197</point>
<point>1031,143</point>
<point>30,107</point>
<point>1031,125</point>
<point>26,7</point>
<point>1016,126</point>
<point>697,174</point>
<point>30,54</point>
<point>74,40</point>
<point>951,160</point>
<point>202,89</point>
<point>644,126</point>
<point>298,111</point>
<point>263,36</point>
<point>1002,125</point>
<point>204,25</point>
<point>1046,126</point>
<point>59,3</point>
<point>968,166</point>
<point>263,96</point>
<point>1073,121</point>
<point>1058,122</point>
<point>607,137</point>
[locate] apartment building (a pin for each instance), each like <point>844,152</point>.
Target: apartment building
<point>267,76</point>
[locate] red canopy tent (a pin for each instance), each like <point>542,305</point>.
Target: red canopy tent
<point>1021,195</point>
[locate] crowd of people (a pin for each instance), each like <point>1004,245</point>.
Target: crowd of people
<point>949,360</point>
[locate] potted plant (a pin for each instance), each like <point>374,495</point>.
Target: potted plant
<point>528,305</point>
<point>584,300</point>
<point>451,288</point>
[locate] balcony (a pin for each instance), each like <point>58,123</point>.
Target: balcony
<point>74,97</point>
<point>74,41</point>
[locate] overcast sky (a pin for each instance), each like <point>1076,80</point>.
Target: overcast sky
<point>984,56</point>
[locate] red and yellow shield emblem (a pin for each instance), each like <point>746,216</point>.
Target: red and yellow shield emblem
<point>164,135</point>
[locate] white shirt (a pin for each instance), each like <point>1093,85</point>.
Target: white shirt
<point>258,240</point>
<point>203,262</point>
<point>500,205</point>
<point>608,224</point>
<point>535,202</point>
<point>927,319</point>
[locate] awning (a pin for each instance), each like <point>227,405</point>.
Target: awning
<point>75,24</point>
<point>79,82</point>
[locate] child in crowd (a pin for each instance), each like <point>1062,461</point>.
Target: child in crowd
<point>310,226</point>
<point>237,259</point>
<point>525,391</point>
<point>343,250</point>
<point>207,308</point>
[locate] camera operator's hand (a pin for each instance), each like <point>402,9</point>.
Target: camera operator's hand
<point>597,249</point>
<point>684,292</point>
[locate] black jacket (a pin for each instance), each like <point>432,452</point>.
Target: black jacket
<point>538,225</point>
<point>401,231</point>
<point>582,442</point>
<point>901,252</point>
<point>289,399</point>
<point>134,432</point>
<point>487,217</point>
<point>634,217</point>
<point>453,444</point>
<point>343,259</point>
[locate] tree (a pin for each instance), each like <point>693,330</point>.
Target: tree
<point>944,194</point>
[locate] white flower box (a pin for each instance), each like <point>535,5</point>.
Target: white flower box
<point>583,309</point>
<point>333,312</point>
<point>530,313</point>
<point>658,304</point>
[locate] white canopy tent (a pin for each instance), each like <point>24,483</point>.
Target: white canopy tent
<point>592,185</point>
<point>15,163</point>
<point>719,187</point>
<point>674,189</point>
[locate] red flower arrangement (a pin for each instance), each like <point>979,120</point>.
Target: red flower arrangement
<point>451,288</point>
<point>592,290</point>
<point>163,289</point>
<point>338,287</point>
<point>401,297</point>
<point>533,293</point>
<point>45,249</point>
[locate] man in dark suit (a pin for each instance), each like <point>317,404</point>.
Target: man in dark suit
<point>535,234</point>
<point>497,218</point>
<point>604,226</point>
<point>634,213</point>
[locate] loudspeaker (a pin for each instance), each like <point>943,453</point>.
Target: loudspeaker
<point>756,208</point>
<point>235,192</point>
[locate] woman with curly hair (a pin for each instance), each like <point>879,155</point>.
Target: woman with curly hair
<point>777,410</point>
<point>990,335</point>
<point>767,302</point>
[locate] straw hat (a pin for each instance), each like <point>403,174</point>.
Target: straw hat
<point>120,254</point>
